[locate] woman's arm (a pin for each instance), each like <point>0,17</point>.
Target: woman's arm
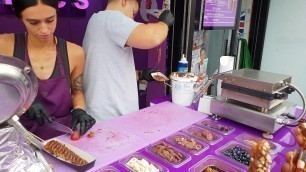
<point>76,56</point>
<point>7,44</point>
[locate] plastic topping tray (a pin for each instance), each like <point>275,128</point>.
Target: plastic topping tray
<point>215,126</point>
<point>168,154</point>
<point>212,162</point>
<point>108,169</point>
<point>187,143</point>
<point>139,156</point>
<point>249,139</point>
<point>65,153</point>
<point>236,152</point>
<point>203,134</point>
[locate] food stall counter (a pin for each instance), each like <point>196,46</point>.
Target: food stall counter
<point>138,133</point>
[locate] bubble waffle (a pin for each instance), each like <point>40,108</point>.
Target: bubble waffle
<point>260,157</point>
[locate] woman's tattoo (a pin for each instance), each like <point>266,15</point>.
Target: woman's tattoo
<point>78,83</point>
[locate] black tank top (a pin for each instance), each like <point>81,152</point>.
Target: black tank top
<point>19,52</point>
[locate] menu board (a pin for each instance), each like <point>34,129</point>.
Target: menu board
<point>220,14</point>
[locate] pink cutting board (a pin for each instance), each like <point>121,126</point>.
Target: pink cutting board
<point>115,139</point>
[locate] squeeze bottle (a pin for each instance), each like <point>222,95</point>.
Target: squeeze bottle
<point>183,64</point>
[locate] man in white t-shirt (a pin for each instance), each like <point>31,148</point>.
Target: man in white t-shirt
<point>110,80</point>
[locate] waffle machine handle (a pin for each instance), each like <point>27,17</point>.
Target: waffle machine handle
<point>294,122</point>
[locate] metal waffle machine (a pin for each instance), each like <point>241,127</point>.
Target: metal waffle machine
<point>255,98</point>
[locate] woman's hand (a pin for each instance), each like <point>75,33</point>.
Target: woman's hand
<point>79,116</point>
<point>39,113</point>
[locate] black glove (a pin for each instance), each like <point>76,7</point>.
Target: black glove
<point>166,17</point>
<point>39,113</point>
<point>146,74</point>
<point>86,121</point>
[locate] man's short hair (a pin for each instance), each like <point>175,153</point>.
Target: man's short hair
<point>138,1</point>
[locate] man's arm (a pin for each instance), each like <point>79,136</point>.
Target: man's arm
<point>147,36</point>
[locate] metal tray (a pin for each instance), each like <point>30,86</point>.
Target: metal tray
<point>18,87</point>
<point>84,155</point>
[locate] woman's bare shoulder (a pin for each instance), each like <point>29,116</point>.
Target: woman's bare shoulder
<point>6,38</point>
<point>7,44</point>
<point>75,51</point>
<point>76,56</point>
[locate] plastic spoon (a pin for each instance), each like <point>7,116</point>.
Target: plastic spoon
<point>158,76</point>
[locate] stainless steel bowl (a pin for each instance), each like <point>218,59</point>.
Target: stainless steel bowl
<point>18,87</point>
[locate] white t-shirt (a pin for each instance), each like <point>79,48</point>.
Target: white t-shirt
<point>110,83</point>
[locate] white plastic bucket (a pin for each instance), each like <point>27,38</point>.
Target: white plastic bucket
<point>182,88</point>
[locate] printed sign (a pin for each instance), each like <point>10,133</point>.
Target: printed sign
<point>220,13</point>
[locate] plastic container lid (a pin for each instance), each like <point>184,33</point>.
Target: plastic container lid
<point>185,157</point>
<point>171,140</point>
<point>140,156</point>
<point>193,130</point>
<point>213,162</point>
<point>231,145</point>
<point>248,138</point>
<point>215,126</point>
<point>108,169</point>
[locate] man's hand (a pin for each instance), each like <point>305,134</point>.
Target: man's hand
<point>166,17</point>
<point>39,113</point>
<point>79,116</point>
<point>146,74</point>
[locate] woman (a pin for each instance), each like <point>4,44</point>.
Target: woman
<point>203,61</point>
<point>58,65</point>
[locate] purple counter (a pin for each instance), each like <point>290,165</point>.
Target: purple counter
<point>117,138</point>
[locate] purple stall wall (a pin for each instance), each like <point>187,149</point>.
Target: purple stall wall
<point>156,59</point>
<point>70,28</point>
<point>73,29</point>
<point>154,89</point>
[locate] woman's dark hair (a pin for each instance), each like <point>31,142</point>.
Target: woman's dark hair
<point>20,5</point>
